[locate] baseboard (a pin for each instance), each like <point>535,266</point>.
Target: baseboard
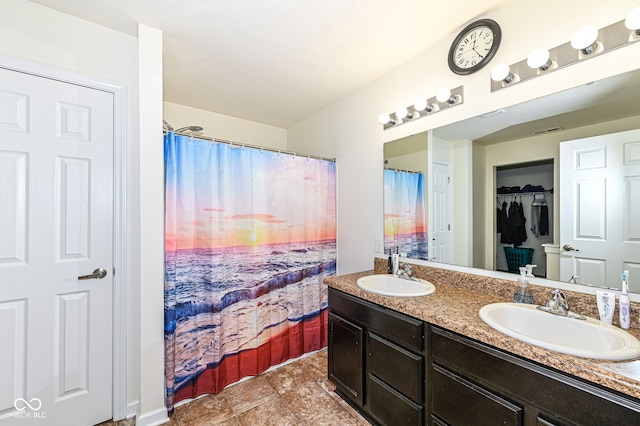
<point>132,409</point>
<point>153,418</point>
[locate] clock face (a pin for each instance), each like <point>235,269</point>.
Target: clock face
<point>474,47</point>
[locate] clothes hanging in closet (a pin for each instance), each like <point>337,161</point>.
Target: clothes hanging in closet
<point>539,216</point>
<point>511,224</point>
<point>503,224</point>
<point>517,223</point>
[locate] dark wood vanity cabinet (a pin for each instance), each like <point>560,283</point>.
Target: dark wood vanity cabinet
<point>397,370</point>
<point>376,360</point>
<point>473,383</point>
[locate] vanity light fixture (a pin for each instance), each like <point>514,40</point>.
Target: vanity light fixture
<point>385,119</point>
<point>540,59</point>
<point>421,104</point>
<point>586,41</point>
<point>422,107</point>
<point>632,22</point>
<point>403,112</point>
<point>589,42</point>
<point>502,73</point>
<point>444,96</point>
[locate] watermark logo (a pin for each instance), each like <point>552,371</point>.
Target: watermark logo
<point>29,409</point>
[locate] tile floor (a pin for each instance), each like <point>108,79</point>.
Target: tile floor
<point>295,394</point>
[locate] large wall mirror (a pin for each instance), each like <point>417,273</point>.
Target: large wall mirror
<point>532,154</point>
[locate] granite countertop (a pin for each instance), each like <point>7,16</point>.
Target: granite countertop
<point>456,309</point>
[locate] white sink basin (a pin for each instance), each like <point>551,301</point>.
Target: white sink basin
<point>589,338</point>
<point>390,285</point>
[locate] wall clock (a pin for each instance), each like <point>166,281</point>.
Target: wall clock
<point>475,46</point>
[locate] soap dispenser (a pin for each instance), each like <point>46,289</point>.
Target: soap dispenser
<point>395,262</point>
<point>522,296</point>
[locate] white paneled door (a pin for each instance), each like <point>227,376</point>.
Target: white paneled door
<point>56,224</point>
<point>599,205</point>
<point>440,249</point>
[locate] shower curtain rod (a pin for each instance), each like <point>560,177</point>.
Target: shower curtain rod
<point>400,170</point>
<point>245,145</point>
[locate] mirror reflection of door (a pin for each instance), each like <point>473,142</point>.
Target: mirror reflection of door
<point>440,246</point>
<point>600,196</point>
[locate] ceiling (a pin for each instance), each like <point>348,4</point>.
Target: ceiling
<point>278,61</point>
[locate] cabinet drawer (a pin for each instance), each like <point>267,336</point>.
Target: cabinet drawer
<point>457,401</point>
<point>541,421</point>
<point>395,326</point>
<point>396,366</point>
<point>389,407</point>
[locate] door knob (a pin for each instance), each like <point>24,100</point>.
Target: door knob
<point>98,274</point>
<point>568,247</point>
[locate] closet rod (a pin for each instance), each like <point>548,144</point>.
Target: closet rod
<point>245,145</point>
<point>524,193</point>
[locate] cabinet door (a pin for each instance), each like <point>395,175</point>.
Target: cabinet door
<point>346,358</point>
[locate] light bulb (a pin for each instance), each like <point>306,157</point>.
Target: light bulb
<point>402,113</point>
<point>420,104</point>
<point>540,59</point>
<point>585,40</point>
<point>502,72</point>
<point>384,118</point>
<point>444,95</point>
<point>632,21</point>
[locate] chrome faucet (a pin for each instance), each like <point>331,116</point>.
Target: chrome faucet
<point>558,302</point>
<point>558,305</point>
<point>406,272</point>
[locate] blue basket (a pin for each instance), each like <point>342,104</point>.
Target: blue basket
<point>517,257</point>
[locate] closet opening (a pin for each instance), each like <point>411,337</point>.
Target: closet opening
<point>524,215</point>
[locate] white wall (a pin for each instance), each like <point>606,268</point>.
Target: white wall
<point>220,126</point>
<point>462,197</point>
<point>39,34</point>
<point>151,177</point>
<point>407,154</point>
<point>348,129</point>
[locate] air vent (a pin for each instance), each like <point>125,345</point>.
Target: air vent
<point>541,132</point>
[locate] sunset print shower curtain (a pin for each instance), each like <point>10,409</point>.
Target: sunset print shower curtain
<point>405,224</point>
<point>249,237</point>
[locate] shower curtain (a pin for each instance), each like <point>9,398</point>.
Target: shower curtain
<point>405,229</point>
<point>249,237</point>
